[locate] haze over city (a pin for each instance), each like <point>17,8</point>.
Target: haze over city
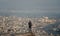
<point>30,7</point>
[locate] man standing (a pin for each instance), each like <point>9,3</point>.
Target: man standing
<point>30,25</point>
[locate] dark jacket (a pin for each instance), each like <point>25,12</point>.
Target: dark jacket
<point>30,24</point>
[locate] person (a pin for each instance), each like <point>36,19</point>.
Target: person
<point>30,25</point>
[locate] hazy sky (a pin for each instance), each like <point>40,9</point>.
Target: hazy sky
<point>30,6</point>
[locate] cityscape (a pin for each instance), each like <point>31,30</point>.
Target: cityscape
<point>29,17</point>
<point>19,25</point>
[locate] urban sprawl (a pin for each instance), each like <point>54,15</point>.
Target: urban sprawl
<point>20,24</point>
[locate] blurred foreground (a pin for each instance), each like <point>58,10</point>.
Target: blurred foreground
<point>18,26</point>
